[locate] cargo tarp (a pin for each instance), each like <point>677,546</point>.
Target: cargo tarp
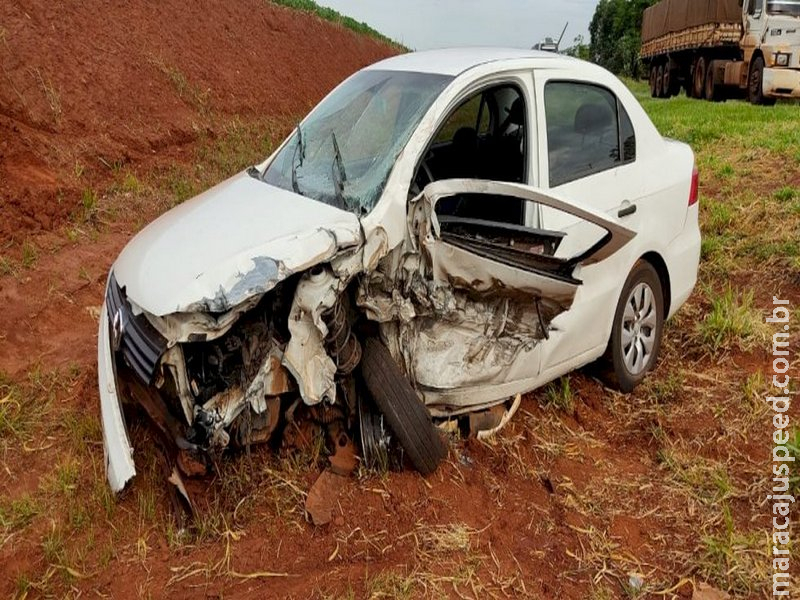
<point>670,16</point>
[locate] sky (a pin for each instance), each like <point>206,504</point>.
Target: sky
<point>426,24</point>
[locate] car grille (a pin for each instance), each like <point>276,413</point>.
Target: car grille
<point>139,342</point>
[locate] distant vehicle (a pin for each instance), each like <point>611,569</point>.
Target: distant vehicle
<point>444,231</point>
<point>549,45</point>
<point>720,49</point>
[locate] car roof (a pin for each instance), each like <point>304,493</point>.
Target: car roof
<point>454,61</point>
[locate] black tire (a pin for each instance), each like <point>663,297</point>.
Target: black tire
<point>666,83</point>
<point>660,81</point>
<point>616,371</point>
<point>406,416</point>
<point>711,91</point>
<point>755,90</point>
<point>699,79</point>
<point>653,73</point>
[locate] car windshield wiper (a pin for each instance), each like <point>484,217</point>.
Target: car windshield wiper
<point>295,185</point>
<point>338,165</point>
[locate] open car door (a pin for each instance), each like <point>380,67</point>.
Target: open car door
<point>491,286</point>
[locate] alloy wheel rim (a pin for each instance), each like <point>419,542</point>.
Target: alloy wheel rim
<point>639,322</point>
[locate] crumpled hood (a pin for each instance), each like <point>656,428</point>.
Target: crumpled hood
<point>236,240</point>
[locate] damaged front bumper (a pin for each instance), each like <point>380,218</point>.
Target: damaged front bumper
<point>117,448</point>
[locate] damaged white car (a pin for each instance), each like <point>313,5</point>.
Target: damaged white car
<point>444,231</point>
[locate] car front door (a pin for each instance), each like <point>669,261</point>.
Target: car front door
<point>485,290</point>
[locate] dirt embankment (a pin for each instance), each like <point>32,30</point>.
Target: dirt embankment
<point>86,88</point>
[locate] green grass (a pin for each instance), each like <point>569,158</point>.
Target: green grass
<point>558,394</point>
<point>731,322</point>
<point>328,14</point>
<point>748,157</point>
<point>736,122</point>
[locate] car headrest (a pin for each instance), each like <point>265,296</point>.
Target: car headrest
<point>592,118</point>
<point>465,137</point>
<point>516,114</point>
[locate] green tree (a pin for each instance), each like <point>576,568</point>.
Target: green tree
<point>616,35</point>
<point>579,49</point>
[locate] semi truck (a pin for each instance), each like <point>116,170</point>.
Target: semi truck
<point>720,49</point>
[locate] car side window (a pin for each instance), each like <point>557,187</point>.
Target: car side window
<point>472,114</point>
<point>588,131</point>
<point>485,137</point>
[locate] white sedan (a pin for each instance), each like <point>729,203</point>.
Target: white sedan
<point>444,231</point>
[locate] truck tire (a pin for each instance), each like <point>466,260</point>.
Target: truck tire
<point>660,81</point>
<point>666,83</point>
<point>406,416</point>
<point>653,74</point>
<point>711,91</point>
<point>755,90</point>
<point>699,79</point>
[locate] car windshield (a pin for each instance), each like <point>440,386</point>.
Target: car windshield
<point>784,7</point>
<point>343,152</point>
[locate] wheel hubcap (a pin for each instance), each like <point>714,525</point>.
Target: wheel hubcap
<point>639,322</point>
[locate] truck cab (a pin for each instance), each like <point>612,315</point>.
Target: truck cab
<point>771,48</point>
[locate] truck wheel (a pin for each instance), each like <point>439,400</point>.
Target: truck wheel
<point>699,79</point>
<point>660,82</point>
<point>755,91</point>
<point>406,416</point>
<point>712,91</point>
<point>666,83</point>
<point>653,74</point>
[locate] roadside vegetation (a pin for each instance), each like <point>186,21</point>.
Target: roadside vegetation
<point>328,14</point>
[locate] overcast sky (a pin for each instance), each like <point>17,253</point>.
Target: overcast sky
<point>424,24</point>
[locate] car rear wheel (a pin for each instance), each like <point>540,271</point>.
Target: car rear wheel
<point>636,333</point>
<point>406,416</point>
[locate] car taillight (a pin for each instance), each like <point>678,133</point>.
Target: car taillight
<point>694,195</point>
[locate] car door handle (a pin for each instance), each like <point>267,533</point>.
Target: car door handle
<point>626,211</point>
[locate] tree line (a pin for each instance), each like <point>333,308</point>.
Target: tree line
<point>616,36</point>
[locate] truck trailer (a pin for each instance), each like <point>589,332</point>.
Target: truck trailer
<point>720,49</point>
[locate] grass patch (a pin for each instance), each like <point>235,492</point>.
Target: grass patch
<point>328,14</point>
<point>786,194</point>
<point>558,394</point>
<point>13,418</point>
<point>731,322</point>
<point>18,513</point>
<point>30,254</point>
<point>705,480</point>
<point>186,91</point>
<point>735,561</point>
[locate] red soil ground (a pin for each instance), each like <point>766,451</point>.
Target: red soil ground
<point>84,86</point>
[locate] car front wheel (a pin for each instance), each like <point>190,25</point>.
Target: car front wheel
<point>636,333</point>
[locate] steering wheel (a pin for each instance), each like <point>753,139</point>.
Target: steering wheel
<point>423,177</point>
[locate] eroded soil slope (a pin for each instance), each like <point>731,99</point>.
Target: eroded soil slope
<point>86,88</point>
